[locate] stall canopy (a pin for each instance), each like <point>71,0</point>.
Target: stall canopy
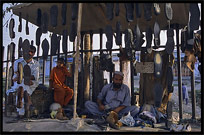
<point>94,16</point>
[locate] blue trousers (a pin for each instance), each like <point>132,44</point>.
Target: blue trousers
<point>93,108</point>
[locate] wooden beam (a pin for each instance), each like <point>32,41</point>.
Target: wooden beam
<point>77,59</point>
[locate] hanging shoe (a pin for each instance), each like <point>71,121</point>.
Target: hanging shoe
<point>194,16</point>
<point>109,11</point>
<point>64,13</point>
<point>73,32</point>
<point>129,12</point>
<point>158,93</point>
<point>45,20</point>
<point>20,23</point>
<point>74,7</point>
<point>39,15</point>
<point>156,35</point>
<point>157,65</point>
<point>157,9</point>
<point>148,11</point>
<point>53,15</point>
<point>45,48</point>
<point>20,71</point>
<point>149,40</point>
<point>109,35</point>
<point>38,35</point>
<point>64,41</point>
<point>109,45</point>
<point>27,28</point>
<point>118,39</point>
<point>128,39</point>
<point>12,51</point>
<point>168,11</point>
<point>10,75</point>
<point>27,74</point>
<point>11,27</point>
<point>20,42</point>
<point>117,9</point>
<point>138,10</point>
<point>54,44</point>
<point>138,38</point>
<point>170,41</point>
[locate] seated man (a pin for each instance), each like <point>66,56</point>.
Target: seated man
<point>24,91</point>
<point>62,93</point>
<point>113,97</point>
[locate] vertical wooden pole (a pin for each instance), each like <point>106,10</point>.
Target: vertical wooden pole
<point>77,59</point>
<point>193,98</point>
<point>179,75</point>
<point>87,42</point>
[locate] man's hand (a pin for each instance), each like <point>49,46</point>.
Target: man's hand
<point>31,83</point>
<point>117,110</point>
<point>101,107</point>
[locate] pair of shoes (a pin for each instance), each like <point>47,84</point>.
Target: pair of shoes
<point>109,11</point>
<point>53,15</point>
<point>64,13</point>
<point>45,48</point>
<point>149,40</point>
<point>44,20</point>
<point>170,41</point>
<point>109,35</point>
<point>11,27</point>
<point>168,11</point>
<point>148,11</point>
<point>156,35</point>
<point>20,22</point>
<point>38,35</point>
<point>129,12</point>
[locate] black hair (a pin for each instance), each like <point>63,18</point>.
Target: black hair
<point>61,59</point>
<point>33,48</point>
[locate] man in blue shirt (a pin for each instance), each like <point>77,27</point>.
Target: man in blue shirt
<point>113,97</point>
<point>185,93</point>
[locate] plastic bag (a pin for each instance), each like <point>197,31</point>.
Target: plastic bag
<point>128,120</point>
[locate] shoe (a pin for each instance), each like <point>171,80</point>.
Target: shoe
<point>27,74</point>
<point>148,11</point>
<point>118,39</point>
<point>109,35</point>
<point>170,42</point>
<point>38,35</point>
<point>149,39</point>
<point>194,16</point>
<point>158,93</point>
<point>27,28</point>
<point>53,15</point>
<point>112,119</point>
<point>168,11</point>
<point>64,13</point>
<point>39,15</point>
<point>20,42</point>
<point>20,22</point>
<point>54,43</point>
<point>10,75</point>
<point>20,71</point>
<point>138,10</point>
<point>74,7</point>
<point>109,45</point>
<point>26,48</point>
<point>73,32</point>
<point>11,28</point>
<point>156,35</point>
<point>64,41</point>
<point>117,9</point>
<point>129,12</point>
<point>157,9</point>
<point>137,35</point>
<point>12,51</point>
<point>128,39</point>
<point>45,48</point>
<point>45,22</point>
<point>103,62</point>
<point>170,79</point>
<point>109,11</point>
<point>157,65</point>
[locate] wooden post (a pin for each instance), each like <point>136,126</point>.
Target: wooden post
<point>6,82</point>
<point>193,98</point>
<point>179,75</point>
<point>87,42</point>
<point>77,59</point>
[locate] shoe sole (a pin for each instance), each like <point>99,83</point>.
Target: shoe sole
<point>20,71</point>
<point>168,11</point>
<point>156,35</point>
<point>26,48</point>
<point>149,39</point>
<point>10,74</point>
<point>170,45</point>
<point>11,27</point>
<point>157,65</point>
<point>45,48</point>
<point>12,51</point>
<point>27,74</point>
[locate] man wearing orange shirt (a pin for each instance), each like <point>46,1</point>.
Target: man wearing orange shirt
<point>62,93</point>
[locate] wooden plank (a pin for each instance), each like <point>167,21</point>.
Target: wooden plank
<point>145,67</point>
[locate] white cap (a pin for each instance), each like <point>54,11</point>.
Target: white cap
<point>119,73</point>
